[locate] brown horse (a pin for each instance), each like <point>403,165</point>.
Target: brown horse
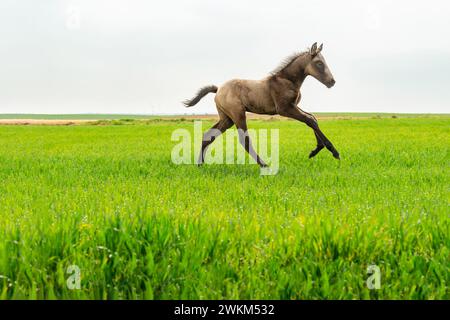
<point>279,93</point>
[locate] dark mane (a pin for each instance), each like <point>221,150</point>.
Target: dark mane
<point>287,61</point>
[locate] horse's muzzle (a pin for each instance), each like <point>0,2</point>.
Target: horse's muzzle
<point>331,83</point>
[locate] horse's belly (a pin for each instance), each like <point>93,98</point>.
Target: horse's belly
<point>261,109</point>
<point>258,100</point>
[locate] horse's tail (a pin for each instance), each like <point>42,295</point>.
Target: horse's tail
<point>200,94</point>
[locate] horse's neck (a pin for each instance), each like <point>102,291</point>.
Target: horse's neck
<point>300,79</point>
<point>295,72</point>
<point>296,79</point>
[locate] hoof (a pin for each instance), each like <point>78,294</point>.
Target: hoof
<point>315,151</point>
<point>263,164</point>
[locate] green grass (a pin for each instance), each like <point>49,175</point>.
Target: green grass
<point>87,116</point>
<point>100,116</point>
<point>109,200</point>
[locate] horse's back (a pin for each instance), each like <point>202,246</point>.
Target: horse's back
<point>251,95</point>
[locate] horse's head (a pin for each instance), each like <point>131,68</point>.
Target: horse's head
<point>317,67</point>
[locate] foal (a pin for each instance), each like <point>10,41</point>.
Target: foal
<point>279,93</point>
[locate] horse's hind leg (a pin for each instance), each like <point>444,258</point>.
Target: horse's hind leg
<point>244,138</point>
<point>209,136</point>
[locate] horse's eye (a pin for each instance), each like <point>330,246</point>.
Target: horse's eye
<point>319,64</point>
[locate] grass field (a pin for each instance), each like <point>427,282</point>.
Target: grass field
<point>100,116</point>
<point>88,116</point>
<point>109,200</point>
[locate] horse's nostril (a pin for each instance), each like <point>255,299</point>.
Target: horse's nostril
<point>331,83</point>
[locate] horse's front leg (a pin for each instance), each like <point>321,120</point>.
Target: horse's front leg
<point>320,144</point>
<point>296,113</point>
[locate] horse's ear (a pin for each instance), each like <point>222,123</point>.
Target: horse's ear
<point>313,49</point>
<point>320,48</point>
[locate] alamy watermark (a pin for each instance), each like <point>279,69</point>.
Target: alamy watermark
<point>374,279</point>
<point>73,17</point>
<point>74,280</point>
<point>262,144</point>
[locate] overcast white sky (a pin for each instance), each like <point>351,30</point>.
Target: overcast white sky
<point>135,56</point>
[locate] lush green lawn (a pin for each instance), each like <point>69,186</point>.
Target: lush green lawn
<point>109,200</point>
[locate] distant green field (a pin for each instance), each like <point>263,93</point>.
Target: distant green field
<point>94,116</point>
<point>109,200</point>
<point>97,116</point>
